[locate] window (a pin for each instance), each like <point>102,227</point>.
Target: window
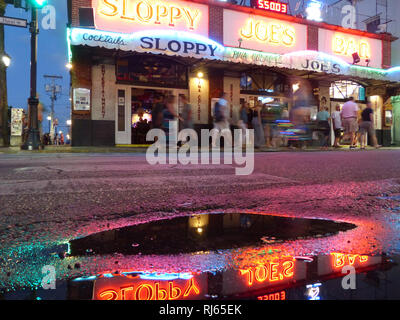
<point>152,71</point>
<point>346,89</point>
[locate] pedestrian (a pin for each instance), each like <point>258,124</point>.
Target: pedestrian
<point>349,116</point>
<point>56,139</point>
<point>169,115</point>
<point>221,121</point>
<point>61,138</point>
<point>243,120</point>
<point>259,139</point>
<point>267,120</point>
<point>157,111</point>
<point>323,119</point>
<point>337,125</point>
<point>367,127</point>
<point>187,122</point>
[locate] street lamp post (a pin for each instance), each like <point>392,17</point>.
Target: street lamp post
<point>32,141</point>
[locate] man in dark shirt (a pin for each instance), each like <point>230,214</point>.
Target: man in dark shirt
<point>367,126</point>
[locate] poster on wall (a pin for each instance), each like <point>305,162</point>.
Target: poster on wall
<point>81,99</point>
<point>16,121</point>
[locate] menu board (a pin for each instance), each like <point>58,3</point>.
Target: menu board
<point>16,121</point>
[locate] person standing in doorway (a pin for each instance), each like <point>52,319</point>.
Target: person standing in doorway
<point>337,125</point>
<point>367,127</point>
<point>349,120</point>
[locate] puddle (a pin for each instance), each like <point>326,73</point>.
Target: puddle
<point>204,232</point>
<point>282,278</point>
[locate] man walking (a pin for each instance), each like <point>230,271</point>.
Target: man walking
<point>349,121</point>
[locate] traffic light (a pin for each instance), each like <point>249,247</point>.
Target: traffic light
<point>38,3</point>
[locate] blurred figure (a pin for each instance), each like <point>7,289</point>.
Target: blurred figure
<point>259,139</point>
<point>221,113</point>
<point>267,120</point>
<point>157,111</point>
<point>243,120</point>
<point>56,142</point>
<point>62,138</point>
<point>367,127</point>
<point>323,119</point>
<point>349,121</point>
<point>186,113</point>
<point>337,125</point>
<point>169,114</point>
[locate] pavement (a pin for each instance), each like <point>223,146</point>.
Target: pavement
<point>48,199</point>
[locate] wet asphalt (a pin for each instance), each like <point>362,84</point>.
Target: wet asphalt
<point>48,199</point>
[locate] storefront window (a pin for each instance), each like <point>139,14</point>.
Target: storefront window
<point>263,82</point>
<point>347,89</point>
<point>152,71</point>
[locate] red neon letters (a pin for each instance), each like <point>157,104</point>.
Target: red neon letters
<point>152,291</point>
<point>271,272</point>
<point>341,259</point>
<point>272,6</point>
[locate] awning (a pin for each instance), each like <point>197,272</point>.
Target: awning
<point>184,44</point>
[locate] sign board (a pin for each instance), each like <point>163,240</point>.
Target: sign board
<point>343,45</point>
<point>274,6</point>
<point>134,15</point>
<point>15,22</point>
<point>16,121</point>
<point>81,99</point>
<point>186,44</point>
<point>263,33</point>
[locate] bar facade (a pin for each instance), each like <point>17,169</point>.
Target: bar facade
<point>125,53</point>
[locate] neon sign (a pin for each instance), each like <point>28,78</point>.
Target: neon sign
<point>147,290</point>
<point>273,296</point>
<point>272,6</point>
<point>147,12</point>
<point>348,46</point>
<point>272,271</point>
<point>272,33</point>
<point>341,259</point>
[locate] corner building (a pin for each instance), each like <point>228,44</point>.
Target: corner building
<point>126,52</point>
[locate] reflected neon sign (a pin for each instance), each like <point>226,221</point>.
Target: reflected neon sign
<point>272,271</point>
<point>340,259</point>
<point>147,290</point>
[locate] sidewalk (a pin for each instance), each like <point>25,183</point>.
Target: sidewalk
<point>142,149</point>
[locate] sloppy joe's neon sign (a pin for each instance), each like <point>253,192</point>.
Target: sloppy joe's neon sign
<point>278,34</point>
<point>149,12</point>
<point>347,46</point>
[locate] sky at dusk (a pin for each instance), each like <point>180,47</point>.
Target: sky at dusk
<point>52,58</point>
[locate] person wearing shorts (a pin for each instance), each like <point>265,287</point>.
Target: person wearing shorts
<point>337,125</point>
<point>349,121</point>
<point>367,127</point>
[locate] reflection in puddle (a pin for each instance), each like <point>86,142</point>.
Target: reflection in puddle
<point>204,232</point>
<point>283,278</point>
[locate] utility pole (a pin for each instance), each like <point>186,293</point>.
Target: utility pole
<point>52,89</point>
<point>3,85</point>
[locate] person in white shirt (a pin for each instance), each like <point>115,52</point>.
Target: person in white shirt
<point>337,125</point>
<point>349,121</point>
